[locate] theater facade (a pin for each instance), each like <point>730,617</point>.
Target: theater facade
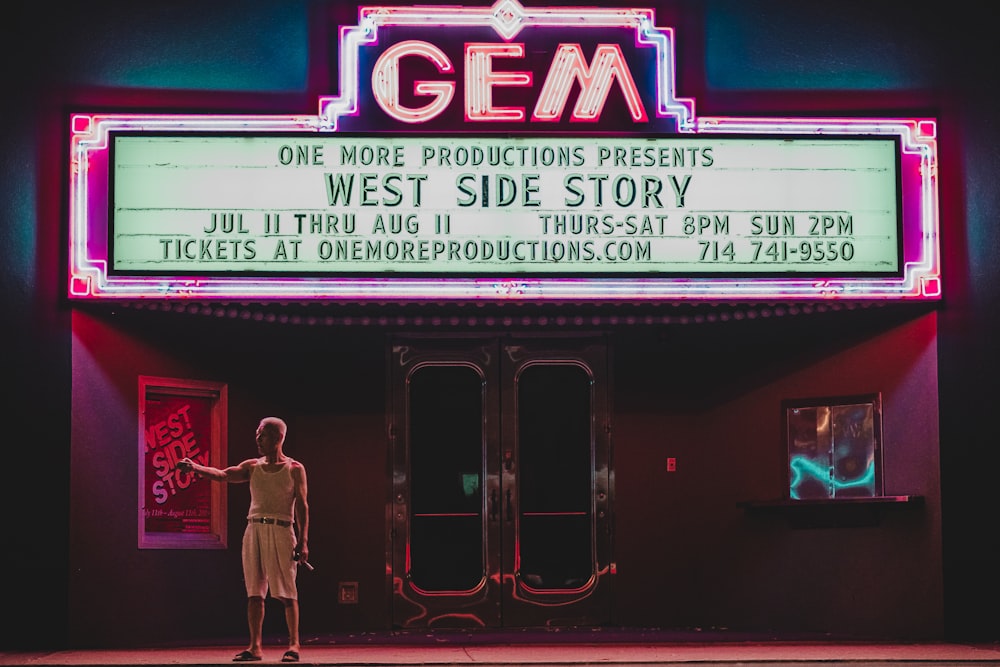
<point>560,341</point>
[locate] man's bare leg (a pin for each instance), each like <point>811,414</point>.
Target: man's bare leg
<point>292,619</point>
<point>255,620</point>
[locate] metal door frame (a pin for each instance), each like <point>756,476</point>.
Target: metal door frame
<point>502,600</point>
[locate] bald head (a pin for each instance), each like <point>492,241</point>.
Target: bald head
<point>276,425</point>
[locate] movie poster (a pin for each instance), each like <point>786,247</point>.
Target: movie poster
<point>177,426</point>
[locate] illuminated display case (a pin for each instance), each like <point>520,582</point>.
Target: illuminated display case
<point>834,464</point>
<point>834,447</point>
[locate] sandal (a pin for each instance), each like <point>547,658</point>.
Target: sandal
<point>246,656</point>
<point>291,655</point>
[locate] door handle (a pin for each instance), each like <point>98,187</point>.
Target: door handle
<point>493,505</point>
<point>508,509</point>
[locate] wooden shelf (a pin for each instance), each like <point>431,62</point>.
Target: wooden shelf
<point>834,512</point>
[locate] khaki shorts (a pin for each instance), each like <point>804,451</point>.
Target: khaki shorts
<point>268,561</point>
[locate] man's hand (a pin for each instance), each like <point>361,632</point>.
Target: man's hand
<point>301,556</point>
<point>185,465</point>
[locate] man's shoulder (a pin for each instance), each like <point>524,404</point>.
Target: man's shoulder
<point>249,464</point>
<point>296,468</point>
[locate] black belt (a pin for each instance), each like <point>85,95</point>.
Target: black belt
<point>267,519</point>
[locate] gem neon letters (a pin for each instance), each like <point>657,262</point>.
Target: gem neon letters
<point>569,65</point>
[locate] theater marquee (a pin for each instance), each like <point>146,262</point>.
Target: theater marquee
<point>535,197</point>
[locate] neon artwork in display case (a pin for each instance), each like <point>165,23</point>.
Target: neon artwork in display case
<point>577,176</point>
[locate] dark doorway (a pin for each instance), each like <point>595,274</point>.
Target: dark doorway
<point>501,482</point>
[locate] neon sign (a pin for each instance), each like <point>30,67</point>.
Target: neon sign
<point>221,207</point>
<point>475,205</point>
<point>568,66</point>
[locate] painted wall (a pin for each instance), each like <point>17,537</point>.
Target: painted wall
<point>681,536</point>
<point>753,56</point>
<point>709,395</point>
<point>328,385</point>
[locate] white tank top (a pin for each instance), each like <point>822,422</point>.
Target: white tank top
<point>272,494</point>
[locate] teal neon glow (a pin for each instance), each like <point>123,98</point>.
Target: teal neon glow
<point>740,47</point>
<point>89,167</point>
<point>802,469</point>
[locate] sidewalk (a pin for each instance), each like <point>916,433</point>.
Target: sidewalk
<point>580,648</point>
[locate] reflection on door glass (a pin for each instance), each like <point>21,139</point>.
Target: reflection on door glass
<point>446,467</point>
<point>555,452</point>
<point>834,448</point>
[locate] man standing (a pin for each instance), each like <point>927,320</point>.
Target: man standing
<point>271,549</point>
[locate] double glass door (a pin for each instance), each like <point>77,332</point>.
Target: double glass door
<point>501,498</point>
